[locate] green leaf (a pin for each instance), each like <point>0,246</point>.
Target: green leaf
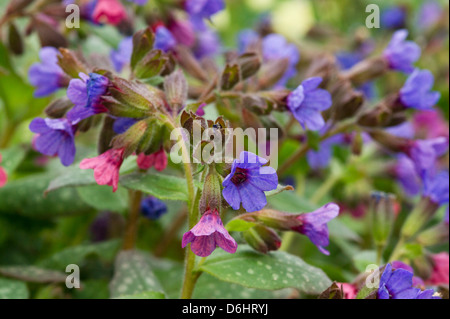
<point>367,293</point>
<point>33,274</point>
<point>72,176</point>
<point>133,275</point>
<point>291,202</point>
<point>364,259</point>
<point>145,295</point>
<point>102,197</point>
<point>12,157</point>
<point>13,289</point>
<point>75,255</point>
<point>26,197</point>
<point>280,188</point>
<point>158,185</point>
<point>239,225</point>
<point>273,271</point>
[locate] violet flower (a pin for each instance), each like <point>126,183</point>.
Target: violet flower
<point>86,94</point>
<point>347,60</point>
<point>106,167</point>
<point>153,208</point>
<point>47,76</point>
<point>416,93</point>
<point>393,18</point>
<point>406,174</point>
<point>401,54</point>
<point>424,153</point>
<point>207,45</point>
<point>208,234</point>
<point>275,47</point>
<point>122,55</point>
<point>321,158</point>
<point>55,137</point>
<point>122,124</point>
<point>404,130</point>
<point>247,38</point>
<point>307,102</point>
<point>436,187</point>
<point>164,39</point>
<point>398,284</point>
<point>429,14</point>
<point>248,181</point>
<point>202,9</point>
<point>314,225</point>
<point>138,2</point>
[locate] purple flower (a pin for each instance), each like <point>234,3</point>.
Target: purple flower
<point>164,39</point>
<point>248,181</point>
<point>321,158</point>
<point>404,130</point>
<point>208,44</point>
<point>46,76</point>
<point>275,47</point>
<point>307,102</point>
<point>430,14</point>
<point>55,137</point>
<point>401,54</point>
<point>139,2</point>
<point>424,153</point>
<point>347,60</point>
<point>246,38</point>
<point>208,234</point>
<point>122,55</point>
<point>406,173</point>
<point>314,225</point>
<point>86,94</point>
<point>437,187</point>
<point>153,208</point>
<point>393,18</point>
<point>416,93</point>
<point>203,9</point>
<point>122,124</point>
<point>398,284</point>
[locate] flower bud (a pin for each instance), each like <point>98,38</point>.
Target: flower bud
<point>382,211</point>
<point>142,44</point>
<point>230,77</point>
<point>15,42</point>
<point>58,107</point>
<point>262,239</point>
<point>212,192</point>
<point>249,64</point>
<point>419,217</point>
<point>271,72</point>
<point>176,89</point>
<point>366,71</point>
<point>70,64</point>
<point>391,142</point>
<point>438,234</point>
<point>277,220</point>
<point>357,144</point>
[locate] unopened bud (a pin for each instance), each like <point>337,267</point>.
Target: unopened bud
<point>142,44</point>
<point>419,217</point>
<point>357,144</point>
<point>391,142</point>
<point>249,64</point>
<point>262,239</point>
<point>176,89</point>
<point>366,71</point>
<point>70,63</point>
<point>277,220</point>
<point>212,192</point>
<point>15,42</point>
<point>58,107</point>
<point>131,138</point>
<point>230,77</point>
<point>382,211</point>
<point>438,234</point>
<point>271,72</point>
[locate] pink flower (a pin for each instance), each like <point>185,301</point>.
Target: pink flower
<point>208,234</point>
<point>157,160</point>
<point>106,167</point>
<point>110,11</point>
<point>3,175</point>
<point>430,124</point>
<point>440,272</point>
<point>349,290</point>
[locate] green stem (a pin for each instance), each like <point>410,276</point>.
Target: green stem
<point>129,241</point>
<point>397,252</point>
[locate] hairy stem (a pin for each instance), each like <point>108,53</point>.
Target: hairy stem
<point>133,218</point>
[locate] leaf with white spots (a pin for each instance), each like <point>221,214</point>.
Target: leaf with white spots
<point>133,275</point>
<point>273,271</point>
<point>33,274</point>
<point>12,157</point>
<point>76,255</point>
<point>13,289</point>
<point>145,295</point>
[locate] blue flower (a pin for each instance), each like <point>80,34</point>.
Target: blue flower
<point>248,181</point>
<point>314,225</point>
<point>246,38</point>
<point>436,187</point>
<point>401,54</point>
<point>307,102</point>
<point>430,14</point>
<point>55,137</point>
<point>275,47</point>
<point>153,208</point>
<point>122,55</point>
<point>164,39</point>
<point>407,175</point>
<point>393,18</point>
<point>46,76</point>
<point>424,153</point>
<point>398,284</point>
<point>321,158</point>
<point>86,94</point>
<point>203,9</point>
<point>122,124</point>
<point>404,130</point>
<point>208,44</point>
<point>417,94</point>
